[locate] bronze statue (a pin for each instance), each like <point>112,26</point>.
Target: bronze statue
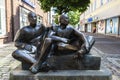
<point>27,39</point>
<point>62,40</point>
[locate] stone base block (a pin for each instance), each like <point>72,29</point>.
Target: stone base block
<point>25,66</point>
<point>62,75</point>
<point>67,62</point>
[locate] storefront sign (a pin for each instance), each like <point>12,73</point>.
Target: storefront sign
<point>90,19</point>
<point>29,3</point>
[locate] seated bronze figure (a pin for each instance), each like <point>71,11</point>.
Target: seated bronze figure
<point>62,40</point>
<point>27,39</point>
<point>45,42</point>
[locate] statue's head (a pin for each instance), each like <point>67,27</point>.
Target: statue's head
<point>32,18</point>
<point>64,20</point>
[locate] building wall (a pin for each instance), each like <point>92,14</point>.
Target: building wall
<point>8,21</point>
<point>106,10</point>
<point>41,13</point>
<point>14,18</point>
<point>102,11</point>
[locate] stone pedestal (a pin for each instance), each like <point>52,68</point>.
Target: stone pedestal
<point>62,75</point>
<point>67,62</point>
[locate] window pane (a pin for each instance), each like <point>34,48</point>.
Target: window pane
<point>39,20</point>
<point>23,17</point>
<point>0,22</point>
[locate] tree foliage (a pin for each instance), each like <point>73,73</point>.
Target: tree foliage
<point>64,6</point>
<point>72,15</point>
<point>57,18</point>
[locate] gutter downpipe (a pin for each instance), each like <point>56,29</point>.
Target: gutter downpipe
<point>12,15</point>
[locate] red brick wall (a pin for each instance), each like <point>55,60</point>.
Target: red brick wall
<point>8,36</point>
<point>39,11</point>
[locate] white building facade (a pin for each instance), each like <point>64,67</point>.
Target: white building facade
<point>104,15</point>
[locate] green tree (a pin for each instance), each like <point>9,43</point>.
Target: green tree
<point>64,6</point>
<point>74,17</point>
<point>57,18</point>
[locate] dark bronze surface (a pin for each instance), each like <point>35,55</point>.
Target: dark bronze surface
<point>44,42</point>
<point>27,39</point>
<point>64,39</point>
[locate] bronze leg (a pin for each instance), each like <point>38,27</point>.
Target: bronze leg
<point>23,56</point>
<point>91,41</point>
<point>43,56</point>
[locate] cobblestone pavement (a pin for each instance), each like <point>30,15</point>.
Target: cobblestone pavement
<point>109,61</point>
<point>108,47</point>
<point>107,44</point>
<point>7,63</point>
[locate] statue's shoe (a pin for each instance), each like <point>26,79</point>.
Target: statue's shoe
<point>46,67</point>
<point>43,68</point>
<point>35,68</point>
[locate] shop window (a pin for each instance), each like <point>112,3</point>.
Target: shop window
<point>112,26</point>
<point>95,5</point>
<point>101,2</point>
<point>0,23</point>
<point>39,20</point>
<point>109,0</point>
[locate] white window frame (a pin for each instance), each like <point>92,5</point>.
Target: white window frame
<point>39,19</point>
<point>2,18</point>
<point>23,17</point>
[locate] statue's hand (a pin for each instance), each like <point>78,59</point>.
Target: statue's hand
<point>30,48</point>
<point>34,49</point>
<point>65,40</point>
<point>35,39</point>
<point>80,54</point>
<point>86,48</point>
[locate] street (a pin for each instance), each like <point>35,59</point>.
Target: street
<point>108,48</point>
<point>7,62</point>
<point>106,44</point>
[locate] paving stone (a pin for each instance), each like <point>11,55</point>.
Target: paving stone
<point>14,64</point>
<point>109,61</point>
<point>6,76</point>
<point>6,60</point>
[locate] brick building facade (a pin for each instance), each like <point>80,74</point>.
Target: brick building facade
<point>13,16</point>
